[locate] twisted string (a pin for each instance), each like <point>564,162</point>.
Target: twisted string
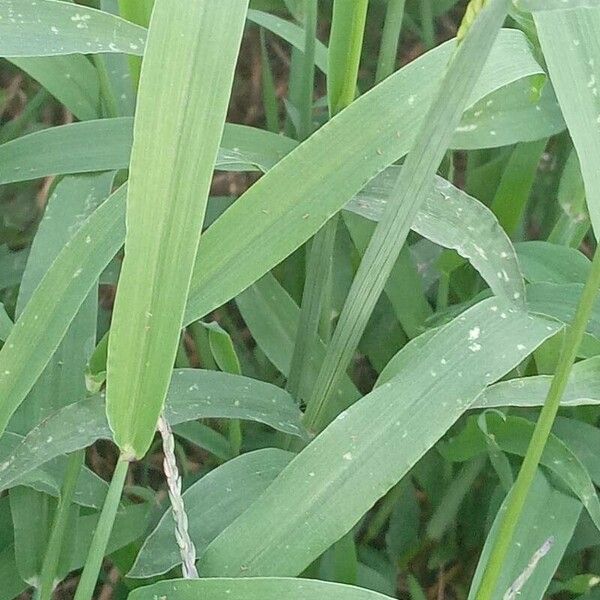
<point>185,543</point>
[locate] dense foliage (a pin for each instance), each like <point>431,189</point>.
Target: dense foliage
<point>298,299</point>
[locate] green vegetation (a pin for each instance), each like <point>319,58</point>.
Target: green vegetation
<point>299,299</point>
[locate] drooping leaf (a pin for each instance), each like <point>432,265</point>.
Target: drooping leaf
<point>193,394</point>
<point>290,32</point>
<point>451,218</point>
<point>66,149</point>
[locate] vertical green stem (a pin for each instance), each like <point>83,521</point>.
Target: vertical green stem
<point>390,38</point>
<point>59,526</point>
<point>138,12</point>
<point>318,271</point>
<point>345,46</point>
<point>268,87</point>
<point>308,69</point>
<point>518,494</point>
<point>427,23</point>
<point>106,90</point>
<point>89,576</point>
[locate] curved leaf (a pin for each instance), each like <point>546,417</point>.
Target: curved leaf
<point>67,149</point>
<point>48,27</point>
<point>272,588</point>
<point>193,394</point>
<point>453,219</point>
<point>582,389</point>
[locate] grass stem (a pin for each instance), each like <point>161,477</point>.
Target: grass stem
<point>390,38</point>
<point>518,494</point>
<point>48,574</point>
<point>308,69</point>
<point>89,576</point>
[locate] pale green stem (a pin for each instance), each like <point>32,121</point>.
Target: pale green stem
<point>308,69</point>
<point>106,90</point>
<point>268,87</point>
<point>390,38</point>
<point>320,256</point>
<point>427,23</point>
<point>91,570</point>
<point>518,494</point>
<point>59,526</point>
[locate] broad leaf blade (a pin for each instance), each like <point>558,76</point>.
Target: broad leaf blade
<point>368,448</point>
<point>176,139</point>
<point>193,394</point>
<point>254,589</point>
<point>48,27</point>
<point>569,40</point>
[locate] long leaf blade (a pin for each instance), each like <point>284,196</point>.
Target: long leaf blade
<point>176,139</point>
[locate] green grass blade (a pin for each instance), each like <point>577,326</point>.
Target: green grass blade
<point>341,163</point>
<point>229,259</point>
<point>583,388</point>
<point>451,218</point>
<point>545,262</point>
<point>173,155</point>
<point>329,486</point>
<point>409,193</point>
<point>271,588</point>
<point>48,27</point>
<point>574,222</point>
<point>193,394</point>
<point>272,317</point>
<point>390,39</point>
<point>520,491</point>
<point>549,513</point>
<point>62,381</point>
<point>66,149</point>
<point>71,79</point>
<point>47,316</point>
<point>345,45</point>
<point>510,200</point>
<point>289,32</point>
